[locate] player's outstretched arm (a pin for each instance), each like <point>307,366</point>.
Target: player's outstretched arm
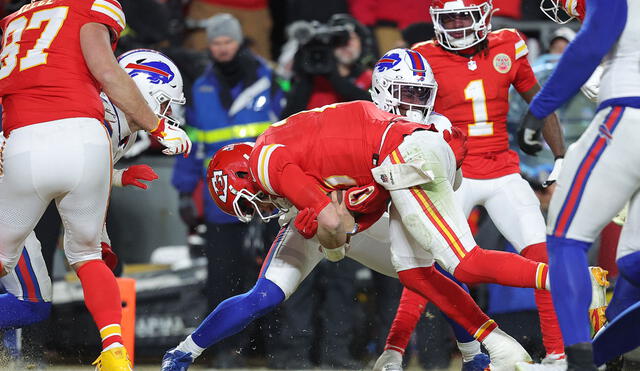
<point>122,91</point>
<point>603,25</point>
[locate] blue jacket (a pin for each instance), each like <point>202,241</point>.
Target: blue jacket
<point>211,126</point>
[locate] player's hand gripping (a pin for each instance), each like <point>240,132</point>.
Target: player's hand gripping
<point>172,137</point>
<point>306,222</point>
<point>133,175</point>
<point>529,134</point>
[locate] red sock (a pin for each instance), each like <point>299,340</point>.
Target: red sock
<point>549,326</point>
<point>407,316</point>
<point>449,297</point>
<point>504,268</point>
<point>102,298</point>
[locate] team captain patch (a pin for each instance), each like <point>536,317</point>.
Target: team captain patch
<point>502,63</point>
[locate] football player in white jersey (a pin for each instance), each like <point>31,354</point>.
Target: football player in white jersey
<point>600,172</point>
<point>28,297</point>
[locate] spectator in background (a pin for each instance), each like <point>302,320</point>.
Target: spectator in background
<point>388,18</point>
<point>339,75</point>
<point>253,16</point>
<point>233,101</point>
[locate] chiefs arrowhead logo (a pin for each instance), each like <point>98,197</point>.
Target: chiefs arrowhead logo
<point>220,182</point>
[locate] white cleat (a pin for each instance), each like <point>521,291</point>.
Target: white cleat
<point>389,360</point>
<point>505,352</point>
<point>552,362</point>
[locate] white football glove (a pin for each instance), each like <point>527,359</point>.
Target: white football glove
<point>591,88</point>
<point>553,176</point>
<point>172,137</point>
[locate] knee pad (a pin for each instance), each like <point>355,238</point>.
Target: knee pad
<point>19,313</point>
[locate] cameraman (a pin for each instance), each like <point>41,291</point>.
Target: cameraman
<point>330,65</point>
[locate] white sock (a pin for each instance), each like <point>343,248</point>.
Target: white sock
<point>469,350</point>
<point>189,346</point>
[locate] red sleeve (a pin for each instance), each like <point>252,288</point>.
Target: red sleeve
<point>277,173</point>
<point>524,79</point>
<point>109,13</point>
<point>302,190</point>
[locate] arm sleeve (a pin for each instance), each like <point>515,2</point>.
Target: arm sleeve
<point>604,22</point>
<point>276,173</point>
<point>525,78</point>
<point>109,13</point>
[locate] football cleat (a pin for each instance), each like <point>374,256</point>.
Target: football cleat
<point>175,360</point>
<point>552,362</point>
<point>598,305</point>
<point>389,360</point>
<point>114,359</point>
<point>504,351</point>
<point>480,362</point>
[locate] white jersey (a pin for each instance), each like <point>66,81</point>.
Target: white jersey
<point>116,123</point>
<point>621,77</point>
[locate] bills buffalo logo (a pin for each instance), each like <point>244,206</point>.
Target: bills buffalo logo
<point>157,72</point>
<point>605,133</point>
<point>387,62</point>
<point>502,63</point>
<point>219,183</point>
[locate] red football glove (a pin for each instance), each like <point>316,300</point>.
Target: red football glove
<point>367,199</point>
<point>307,223</point>
<point>108,256</point>
<point>132,176</point>
<point>458,143</point>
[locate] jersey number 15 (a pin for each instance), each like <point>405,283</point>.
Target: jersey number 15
<point>35,56</point>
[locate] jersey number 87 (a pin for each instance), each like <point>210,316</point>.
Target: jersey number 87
<point>36,56</point>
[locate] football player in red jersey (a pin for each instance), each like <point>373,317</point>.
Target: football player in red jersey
<point>476,68</point>
<point>56,57</point>
<point>374,156</point>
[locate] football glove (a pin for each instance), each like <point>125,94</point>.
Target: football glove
<point>591,88</point>
<point>108,256</point>
<point>172,137</point>
<point>529,134</point>
<point>553,176</point>
<point>457,140</point>
<point>366,199</point>
<point>133,175</point>
<point>306,222</point>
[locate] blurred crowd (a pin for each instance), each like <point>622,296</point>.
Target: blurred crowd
<point>249,63</point>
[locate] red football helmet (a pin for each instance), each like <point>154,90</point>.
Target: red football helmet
<point>460,24</point>
<point>563,11</point>
<point>233,188</point>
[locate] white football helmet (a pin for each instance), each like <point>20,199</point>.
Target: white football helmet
<point>158,79</point>
<point>403,83</point>
<point>446,13</point>
<point>563,11</point>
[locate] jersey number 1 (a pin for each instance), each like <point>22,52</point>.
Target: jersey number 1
<point>35,56</point>
<point>475,92</point>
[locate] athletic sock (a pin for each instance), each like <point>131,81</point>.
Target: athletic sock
<point>551,334</point>
<point>102,298</point>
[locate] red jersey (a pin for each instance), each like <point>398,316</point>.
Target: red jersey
<point>474,94</point>
<point>333,147</point>
<point>43,75</point>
